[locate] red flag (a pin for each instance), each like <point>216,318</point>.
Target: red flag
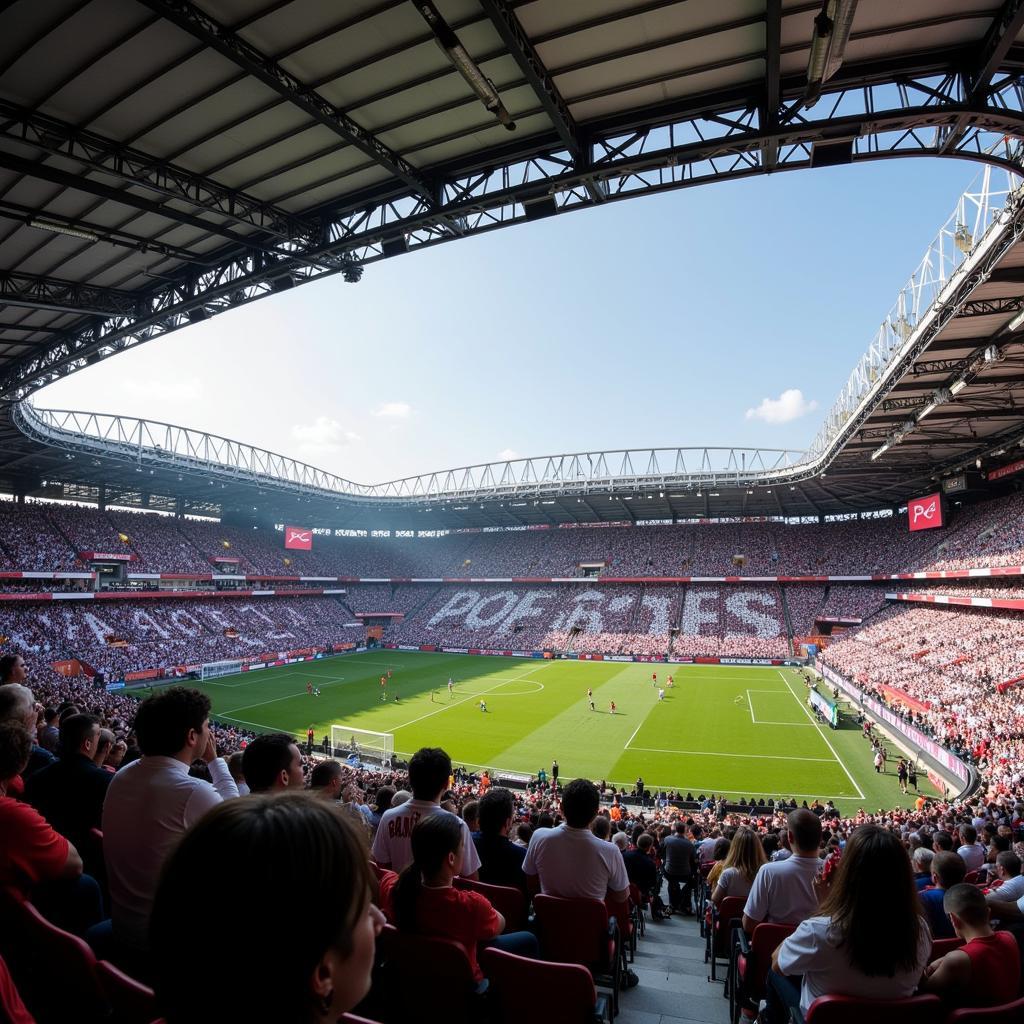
<point>298,538</point>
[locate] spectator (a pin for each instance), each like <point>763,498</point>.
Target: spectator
<point>784,891</point>
<point>641,869</point>
<point>272,762</point>
<point>17,704</point>
<point>422,898</point>
<point>234,763</point>
<point>739,869</point>
<point>326,780</point>
<point>104,747</point>
<point>922,863</point>
<point>13,669</point>
<point>869,939</point>
<point>471,814</point>
<point>501,861</point>
<point>1008,872</point>
<point>49,734</point>
<point>381,802</point>
<point>720,852</point>
<point>310,862</point>
<point>153,801</point>
<point>69,793</point>
<point>948,869</point>
<point>679,857</point>
<point>971,851</point>
<point>429,771</point>
<point>985,971</point>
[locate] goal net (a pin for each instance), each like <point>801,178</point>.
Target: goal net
<point>371,747</point>
<point>213,669</point>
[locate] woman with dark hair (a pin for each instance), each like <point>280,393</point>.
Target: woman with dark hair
<point>718,854</point>
<point>869,939</point>
<point>305,949</point>
<point>423,899</point>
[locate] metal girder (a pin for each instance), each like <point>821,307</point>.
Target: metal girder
<point>703,146</point>
<point>992,307</point>
<point>161,177</point>
<point>33,292</point>
<point>772,81</point>
<point>1002,34</point>
<point>199,24</point>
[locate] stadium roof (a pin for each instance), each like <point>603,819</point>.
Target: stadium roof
<point>162,162</point>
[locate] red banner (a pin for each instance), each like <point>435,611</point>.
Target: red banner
<point>925,513</point>
<point>1007,470</point>
<point>298,538</point>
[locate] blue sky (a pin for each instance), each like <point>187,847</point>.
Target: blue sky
<point>653,321</point>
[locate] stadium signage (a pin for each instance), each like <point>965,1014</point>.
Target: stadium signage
<point>1008,470</point>
<point>925,513</point>
<point>298,538</point>
<point>106,556</point>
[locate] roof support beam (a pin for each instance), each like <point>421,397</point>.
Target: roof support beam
<point>245,56</point>
<point>33,292</point>
<point>772,81</point>
<point>1002,33</point>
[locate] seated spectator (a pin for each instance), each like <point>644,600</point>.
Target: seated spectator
<point>69,793</point>
<point>429,771</point>
<point>501,861</point>
<point>311,861</point>
<point>784,891</point>
<point>49,734</point>
<point>18,705</point>
<point>718,855</point>
<point>471,814</point>
<point>922,863</point>
<point>602,828</point>
<point>272,763</point>
<point>972,852</point>
<point>641,869</point>
<point>1008,872</point>
<point>326,780</point>
<point>948,869</point>
<point>985,971</point>
<point>874,948</point>
<point>153,801</point>
<point>739,869</point>
<point>422,898</point>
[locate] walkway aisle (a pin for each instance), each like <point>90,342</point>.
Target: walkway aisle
<point>673,985</point>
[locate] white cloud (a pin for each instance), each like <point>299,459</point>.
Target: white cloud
<point>508,454</point>
<point>322,436</point>
<point>790,405</point>
<point>395,410</point>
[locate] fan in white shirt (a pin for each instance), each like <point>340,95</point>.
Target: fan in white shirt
<point>429,771</point>
<point>152,802</point>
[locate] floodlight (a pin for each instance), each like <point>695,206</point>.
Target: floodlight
<point>828,45</point>
<point>1016,322</point>
<point>879,452</point>
<point>957,386</point>
<point>63,229</point>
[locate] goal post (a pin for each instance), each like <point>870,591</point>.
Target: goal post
<point>215,669</point>
<point>372,747</point>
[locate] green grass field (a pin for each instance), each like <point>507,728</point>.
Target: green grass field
<point>723,729</point>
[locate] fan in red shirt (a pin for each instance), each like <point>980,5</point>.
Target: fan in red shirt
<point>422,898</point>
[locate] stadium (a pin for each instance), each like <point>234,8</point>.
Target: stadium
<point>646,733</point>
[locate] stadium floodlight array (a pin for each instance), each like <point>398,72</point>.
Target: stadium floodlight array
<point>215,669</point>
<point>371,747</point>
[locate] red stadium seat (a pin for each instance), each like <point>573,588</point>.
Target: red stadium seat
<point>12,1009</point>
<point>568,990</point>
<point>509,902</point>
<point>581,931</point>
<point>752,960</point>
<point>1007,1013</point>
<point>718,936</point>
<point>940,947</point>
<point>851,1010</point>
<point>130,1001</point>
<point>421,975</point>
<point>971,878</point>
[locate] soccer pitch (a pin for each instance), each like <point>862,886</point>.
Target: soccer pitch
<point>741,731</point>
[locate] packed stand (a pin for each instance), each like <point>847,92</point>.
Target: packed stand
<point>803,602</point>
<point>29,542</point>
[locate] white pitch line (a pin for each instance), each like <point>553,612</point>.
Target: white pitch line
<point>274,700</point>
<point>633,737</point>
<point>713,753</point>
<point>472,696</point>
<point>828,743</point>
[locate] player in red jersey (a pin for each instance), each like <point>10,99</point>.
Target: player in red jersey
<point>670,682</point>
<point>309,689</point>
<point>654,679</point>
<point>611,707</point>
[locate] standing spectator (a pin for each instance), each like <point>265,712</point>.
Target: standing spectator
<point>873,948</point>
<point>501,861</point>
<point>784,891</point>
<point>985,971</point>
<point>49,734</point>
<point>13,669</point>
<point>271,763</point>
<point>153,801</point>
<point>309,857</point>
<point>234,763</point>
<point>326,780</point>
<point>429,771</point>
<point>680,868</point>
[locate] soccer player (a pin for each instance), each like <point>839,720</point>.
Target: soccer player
<point>654,678</point>
<point>396,698</point>
<point>590,692</point>
<point>483,705</point>
<point>389,673</point>
<point>661,694</point>
<point>309,689</point>
<point>591,700</point>
<point>451,686</point>
<point>670,682</point>
<point>316,691</point>
<point>611,707</point>
<point>383,682</point>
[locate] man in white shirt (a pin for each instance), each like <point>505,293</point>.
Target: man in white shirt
<point>784,891</point>
<point>151,802</point>
<point>1008,870</point>
<point>429,771</point>
<point>973,855</point>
